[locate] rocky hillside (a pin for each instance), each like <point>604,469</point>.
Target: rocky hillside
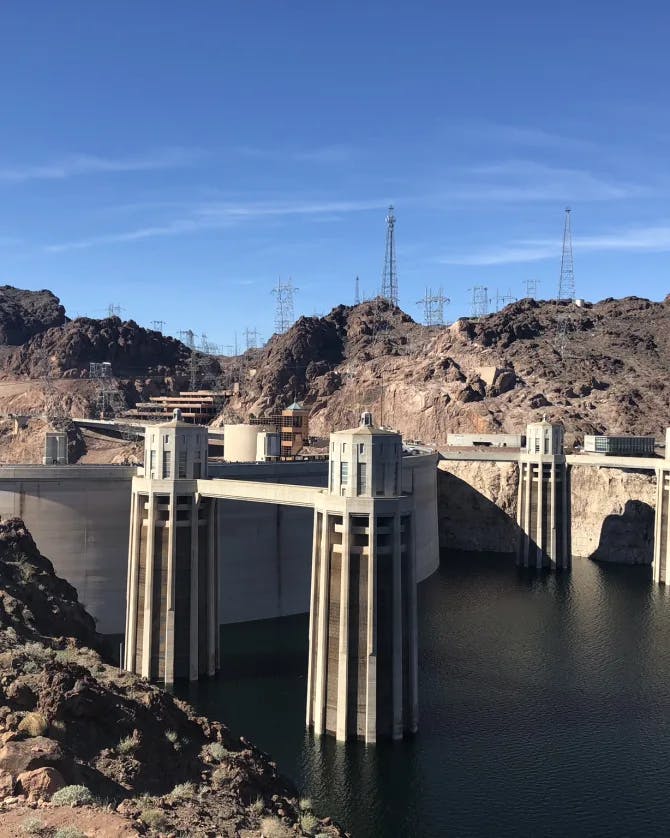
<point>491,374</point>
<point>129,757</point>
<point>24,314</point>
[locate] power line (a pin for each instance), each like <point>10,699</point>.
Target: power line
<point>390,274</point>
<point>433,307</point>
<point>284,316</point>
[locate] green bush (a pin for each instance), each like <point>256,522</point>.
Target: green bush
<point>217,751</point>
<point>182,791</point>
<point>154,818</point>
<point>308,822</point>
<point>69,832</point>
<point>34,826</point>
<point>258,806</point>
<point>72,796</point>
<point>127,745</point>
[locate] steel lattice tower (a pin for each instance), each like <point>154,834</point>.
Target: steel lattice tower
<point>390,275</point>
<point>531,287</point>
<point>284,315</point>
<point>566,283</point>
<point>433,307</point>
<point>480,301</point>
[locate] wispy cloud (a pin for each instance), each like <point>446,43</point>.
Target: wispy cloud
<point>88,164</point>
<point>654,239</point>
<point>219,215</point>
<point>521,181</point>
<point>326,155</point>
<point>524,136</point>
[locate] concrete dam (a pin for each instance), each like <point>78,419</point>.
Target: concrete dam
<point>79,516</point>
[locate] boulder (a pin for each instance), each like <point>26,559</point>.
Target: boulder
<point>40,783</point>
<point>6,785</point>
<point>26,754</point>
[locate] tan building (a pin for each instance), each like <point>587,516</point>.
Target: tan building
<point>293,425</point>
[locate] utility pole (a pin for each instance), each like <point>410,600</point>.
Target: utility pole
<point>357,293</point>
<point>390,274</point>
<point>433,307</point>
<point>284,316</point>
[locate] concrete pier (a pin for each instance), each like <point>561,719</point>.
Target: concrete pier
<point>661,560</point>
<point>362,677</point>
<point>543,509</point>
<point>172,590</point>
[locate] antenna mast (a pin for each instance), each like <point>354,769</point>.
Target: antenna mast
<point>390,275</point>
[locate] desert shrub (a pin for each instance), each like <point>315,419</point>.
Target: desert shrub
<point>308,822</point>
<point>154,818</point>
<point>258,806</point>
<point>217,751</point>
<point>34,826</point>
<point>182,791</point>
<point>127,745</point>
<point>67,656</point>
<point>69,832</point>
<point>33,724</point>
<point>274,828</point>
<point>72,796</point>
<point>172,736</point>
<point>305,804</point>
<point>221,775</point>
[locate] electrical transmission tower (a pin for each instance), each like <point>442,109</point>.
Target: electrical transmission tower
<point>390,275</point>
<point>503,300</point>
<point>480,301</point>
<point>566,292</point>
<point>114,310</point>
<point>158,325</point>
<point>566,283</point>
<point>531,287</point>
<point>433,307</point>
<point>251,338</point>
<point>284,315</point>
<point>357,293</point>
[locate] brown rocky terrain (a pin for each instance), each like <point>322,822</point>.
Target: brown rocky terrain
<point>491,374</point>
<point>87,748</point>
<point>24,314</point>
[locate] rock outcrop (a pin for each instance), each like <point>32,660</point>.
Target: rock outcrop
<point>74,729</point>
<point>24,314</point>
<point>491,374</point>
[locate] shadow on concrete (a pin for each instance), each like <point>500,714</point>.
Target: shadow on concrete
<point>627,538</point>
<point>469,522</point>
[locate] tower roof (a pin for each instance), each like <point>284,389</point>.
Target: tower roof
<point>295,406</point>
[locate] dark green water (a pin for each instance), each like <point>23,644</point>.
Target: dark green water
<point>545,709</point>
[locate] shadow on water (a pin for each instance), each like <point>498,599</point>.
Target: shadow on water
<point>544,708</point>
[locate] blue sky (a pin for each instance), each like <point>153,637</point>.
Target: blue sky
<point>177,158</point>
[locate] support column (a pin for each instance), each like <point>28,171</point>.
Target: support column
<point>145,669</point>
<point>313,618</point>
<point>661,563</point>
<point>371,681</point>
<point>170,605</point>
<point>194,610</point>
<point>212,590</point>
<point>136,504</point>
<point>412,712</point>
<point>343,656</point>
<point>322,630</point>
<point>397,630</point>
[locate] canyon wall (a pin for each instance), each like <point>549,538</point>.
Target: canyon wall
<point>612,510</point>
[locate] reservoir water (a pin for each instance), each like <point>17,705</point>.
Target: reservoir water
<point>544,701</point>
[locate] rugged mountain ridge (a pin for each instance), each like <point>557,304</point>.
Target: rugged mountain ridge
<point>26,313</point>
<point>491,374</point>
